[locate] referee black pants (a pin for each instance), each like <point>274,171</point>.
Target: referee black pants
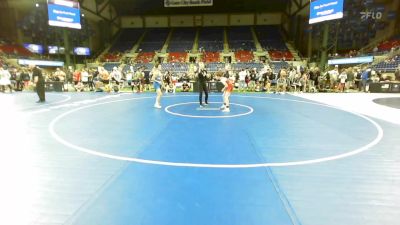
<point>203,88</point>
<point>40,90</point>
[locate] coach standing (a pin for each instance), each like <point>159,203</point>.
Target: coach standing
<point>39,82</point>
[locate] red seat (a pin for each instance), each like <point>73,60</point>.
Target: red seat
<point>209,57</point>
<point>388,45</point>
<point>145,57</point>
<point>110,57</point>
<point>288,55</point>
<point>276,55</point>
<point>15,49</point>
<point>177,57</point>
<point>281,55</point>
<point>244,56</point>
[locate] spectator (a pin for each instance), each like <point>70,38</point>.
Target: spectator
<point>242,80</point>
<point>253,79</point>
<point>317,74</point>
<point>79,87</point>
<point>104,76</point>
<point>141,77</point>
<point>90,80</point>
<point>146,80</point>
<point>296,81</point>
<point>60,75</point>
<point>85,78</point>
<point>167,81</point>
<point>25,78</point>
<point>129,78</point>
<point>397,74</point>
<point>350,78</point>
<point>323,80</point>
<point>333,77</point>
<point>267,76</point>
<point>342,81</point>
<point>375,50</point>
<point>5,80</point>
<point>76,77</point>
<point>365,79</point>
<point>116,76</point>
<point>304,81</point>
<point>15,79</point>
<point>174,80</point>
<point>281,83</point>
<point>185,86</point>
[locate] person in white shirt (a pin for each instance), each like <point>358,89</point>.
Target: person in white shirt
<point>292,75</point>
<point>60,74</point>
<point>242,80</point>
<point>116,76</point>
<point>84,78</point>
<point>129,77</point>
<point>157,79</point>
<point>174,80</point>
<point>5,80</point>
<point>342,81</point>
<point>333,75</point>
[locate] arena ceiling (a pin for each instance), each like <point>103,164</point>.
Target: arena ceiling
<point>154,7</point>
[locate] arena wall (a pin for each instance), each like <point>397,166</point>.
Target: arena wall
<point>202,20</point>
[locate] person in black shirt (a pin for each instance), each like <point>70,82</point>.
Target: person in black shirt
<point>252,79</point>
<point>38,79</point>
<point>15,79</point>
<point>267,76</point>
<point>146,79</point>
<point>202,77</point>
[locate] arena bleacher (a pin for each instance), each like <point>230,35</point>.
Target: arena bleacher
<point>127,40</point>
<point>272,41</point>
<point>389,65</point>
<point>211,39</point>
<point>154,40</point>
<point>182,39</point>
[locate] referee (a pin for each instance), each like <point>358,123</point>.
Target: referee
<point>38,79</point>
<point>202,76</point>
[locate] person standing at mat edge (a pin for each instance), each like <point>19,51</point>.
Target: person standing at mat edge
<point>202,78</point>
<point>39,82</point>
<point>228,88</point>
<point>156,78</point>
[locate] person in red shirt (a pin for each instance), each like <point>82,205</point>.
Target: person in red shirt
<point>228,88</point>
<point>77,77</point>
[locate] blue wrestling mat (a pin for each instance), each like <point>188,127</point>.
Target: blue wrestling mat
<point>272,160</point>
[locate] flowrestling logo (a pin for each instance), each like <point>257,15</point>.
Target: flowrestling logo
<point>371,15</point>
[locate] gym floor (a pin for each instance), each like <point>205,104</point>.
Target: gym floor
<point>96,158</point>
